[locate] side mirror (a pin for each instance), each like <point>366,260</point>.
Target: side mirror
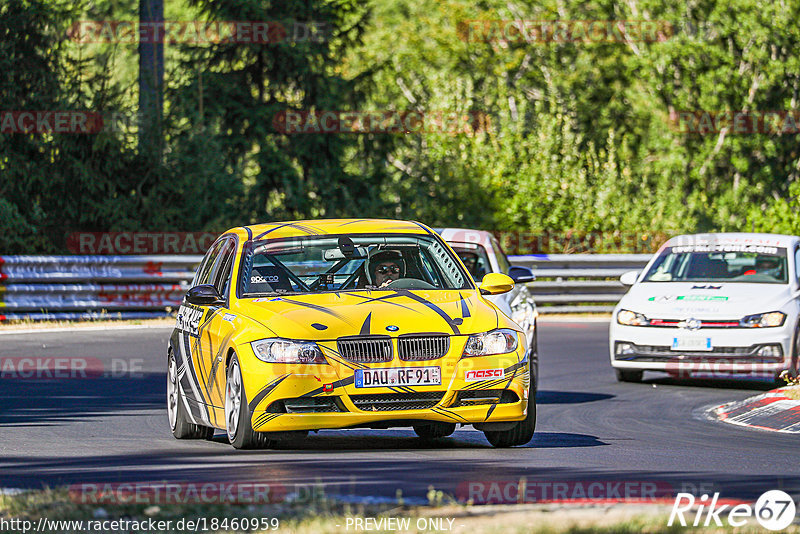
<point>521,275</point>
<point>204,295</point>
<point>629,278</point>
<point>496,284</point>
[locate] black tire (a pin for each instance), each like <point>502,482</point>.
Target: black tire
<point>624,375</point>
<point>794,371</point>
<point>434,430</point>
<point>523,431</point>
<point>243,436</point>
<point>181,427</point>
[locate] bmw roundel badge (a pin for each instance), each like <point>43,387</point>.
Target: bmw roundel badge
<point>392,328</point>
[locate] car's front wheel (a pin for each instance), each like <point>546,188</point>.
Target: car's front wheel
<point>522,432</point>
<point>625,375</point>
<point>179,423</point>
<point>434,430</point>
<point>237,413</point>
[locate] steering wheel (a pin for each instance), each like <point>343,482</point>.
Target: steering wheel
<point>408,283</point>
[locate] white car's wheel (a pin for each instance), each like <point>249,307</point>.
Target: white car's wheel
<point>626,375</point>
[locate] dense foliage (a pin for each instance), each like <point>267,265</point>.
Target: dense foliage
<point>575,136</point>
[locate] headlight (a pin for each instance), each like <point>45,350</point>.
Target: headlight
<point>521,312</point>
<point>629,318</point>
<point>764,320</point>
<point>287,351</point>
<point>495,342</point>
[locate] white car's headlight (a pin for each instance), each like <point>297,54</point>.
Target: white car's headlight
<point>629,318</point>
<point>500,341</point>
<point>278,350</point>
<point>521,313</point>
<point>764,320</point>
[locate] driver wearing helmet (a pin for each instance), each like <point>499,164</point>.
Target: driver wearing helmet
<point>770,266</point>
<point>384,267</point>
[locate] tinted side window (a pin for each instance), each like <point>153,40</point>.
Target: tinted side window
<point>221,272</point>
<point>502,261</point>
<point>797,263</point>
<point>203,275</point>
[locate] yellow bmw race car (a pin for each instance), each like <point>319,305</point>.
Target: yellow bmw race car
<point>308,325</point>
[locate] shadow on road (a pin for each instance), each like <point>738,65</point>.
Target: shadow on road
<point>716,383</point>
<point>56,401</point>
<point>544,396</point>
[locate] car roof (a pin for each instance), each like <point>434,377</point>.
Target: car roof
<point>466,235</point>
<point>283,229</point>
<point>733,238</point>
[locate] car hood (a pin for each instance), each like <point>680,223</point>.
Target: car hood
<point>677,300</point>
<point>327,316</point>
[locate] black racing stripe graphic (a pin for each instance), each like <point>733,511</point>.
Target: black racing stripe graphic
<point>317,307</point>
<point>420,225</point>
<point>384,299</point>
<point>365,327</point>
<point>193,378</point>
<point>341,360</point>
<point>516,366</point>
<point>494,404</point>
<point>264,392</point>
<point>218,358</point>
<point>339,383</point>
<point>431,305</point>
<point>353,222</point>
<point>484,384</point>
<point>464,307</point>
<point>448,413</point>
<point>249,232</point>
<point>448,399</point>
<point>265,418</point>
<point>183,380</point>
<point>278,227</point>
<point>437,410</point>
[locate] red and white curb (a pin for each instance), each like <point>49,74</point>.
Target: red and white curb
<point>771,411</point>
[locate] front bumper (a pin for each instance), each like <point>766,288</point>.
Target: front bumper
<point>311,397</point>
<point>750,351</point>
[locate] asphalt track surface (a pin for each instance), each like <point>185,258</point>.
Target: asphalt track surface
<point>589,428</point>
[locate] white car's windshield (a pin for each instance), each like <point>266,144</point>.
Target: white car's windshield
<point>346,263</point>
<point>720,263</point>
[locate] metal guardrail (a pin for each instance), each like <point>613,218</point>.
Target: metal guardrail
<point>579,283</point>
<point>92,287</point>
<point>136,287</point>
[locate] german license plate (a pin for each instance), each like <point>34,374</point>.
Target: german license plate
<point>692,343</point>
<point>398,376</point>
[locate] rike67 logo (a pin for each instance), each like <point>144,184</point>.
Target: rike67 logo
<point>774,510</point>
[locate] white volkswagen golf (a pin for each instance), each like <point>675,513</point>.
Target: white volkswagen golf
<point>711,305</point>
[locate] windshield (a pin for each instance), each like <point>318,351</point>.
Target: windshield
<point>349,262</point>
<point>474,257</point>
<point>720,263</point>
